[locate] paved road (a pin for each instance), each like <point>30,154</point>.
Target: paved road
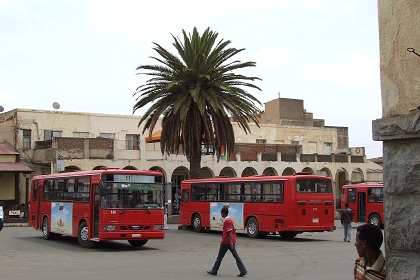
<point>183,254</point>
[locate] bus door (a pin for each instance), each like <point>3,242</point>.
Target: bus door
<point>184,205</point>
<point>35,204</point>
<point>96,209</point>
<point>361,206</point>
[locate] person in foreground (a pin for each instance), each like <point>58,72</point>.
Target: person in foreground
<point>371,262</point>
<point>228,243</point>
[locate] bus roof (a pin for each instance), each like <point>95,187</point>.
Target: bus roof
<point>97,172</point>
<point>364,185</point>
<point>252,178</point>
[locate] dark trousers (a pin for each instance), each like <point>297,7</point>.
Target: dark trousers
<point>222,251</point>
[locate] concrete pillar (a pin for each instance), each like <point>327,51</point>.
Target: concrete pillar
<point>399,25</point>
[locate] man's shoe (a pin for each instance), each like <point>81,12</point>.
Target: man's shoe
<point>211,272</point>
<point>348,240</point>
<point>344,240</point>
<point>242,274</point>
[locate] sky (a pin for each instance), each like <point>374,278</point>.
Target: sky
<point>83,54</point>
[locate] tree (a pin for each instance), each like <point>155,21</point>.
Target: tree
<point>197,96</point>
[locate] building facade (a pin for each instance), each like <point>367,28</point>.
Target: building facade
<point>285,143</point>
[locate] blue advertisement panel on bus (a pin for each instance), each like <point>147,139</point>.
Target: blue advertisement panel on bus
<point>236,212</point>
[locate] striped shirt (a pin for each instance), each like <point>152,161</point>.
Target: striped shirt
<point>376,272</point>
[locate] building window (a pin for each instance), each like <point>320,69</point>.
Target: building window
<point>80,134</point>
<point>132,141</point>
<point>107,135</point>
<point>327,148</point>
<point>26,143</point>
<point>50,134</point>
<point>295,142</point>
<point>261,141</point>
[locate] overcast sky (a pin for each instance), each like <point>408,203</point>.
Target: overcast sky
<point>83,53</point>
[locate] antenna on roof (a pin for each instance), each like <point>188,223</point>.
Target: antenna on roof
<point>279,94</point>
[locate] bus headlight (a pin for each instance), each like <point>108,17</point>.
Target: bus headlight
<point>158,227</point>
<point>109,228</point>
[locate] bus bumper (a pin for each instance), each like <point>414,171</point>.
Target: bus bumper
<point>311,228</point>
<point>140,235</point>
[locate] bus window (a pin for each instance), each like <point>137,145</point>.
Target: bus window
<point>83,189</point>
<point>198,192</point>
<point>48,190</point>
<point>313,186</point>
<point>213,192</point>
<point>351,195</point>
<point>185,195</point>
<point>375,195</point>
<point>35,191</point>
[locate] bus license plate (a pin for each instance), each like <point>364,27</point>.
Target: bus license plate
<point>315,220</point>
<point>136,235</point>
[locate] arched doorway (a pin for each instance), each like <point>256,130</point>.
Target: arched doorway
<point>249,171</point>
<point>288,171</point>
<point>270,171</point>
<point>227,172</point>
<point>180,173</point>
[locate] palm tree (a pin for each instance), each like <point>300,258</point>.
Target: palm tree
<point>197,94</point>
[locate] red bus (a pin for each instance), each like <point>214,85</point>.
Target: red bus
<point>366,201</point>
<point>286,205</point>
<point>96,205</point>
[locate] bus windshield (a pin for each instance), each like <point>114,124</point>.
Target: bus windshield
<point>131,195</point>
<point>313,185</point>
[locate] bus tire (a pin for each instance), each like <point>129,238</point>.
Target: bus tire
<point>375,219</point>
<point>83,236</point>
<point>197,225</point>
<point>252,228</point>
<point>45,231</point>
<point>288,234</point>
<point>137,243</point>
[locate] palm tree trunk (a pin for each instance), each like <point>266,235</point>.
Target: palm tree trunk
<point>195,166</point>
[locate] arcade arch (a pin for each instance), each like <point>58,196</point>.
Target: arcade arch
<point>270,171</point>
<point>357,176</point>
<point>228,172</point>
<point>288,171</point>
<point>129,167</point>
<point>309,170</point>
<point>99,167</point>
<point>180,173</point>
<point>206,172</point>
<point>341,178</point>
<point>71,168</point>
<point>249,171</point>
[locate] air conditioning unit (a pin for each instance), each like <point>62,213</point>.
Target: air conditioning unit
<point>357,151</point>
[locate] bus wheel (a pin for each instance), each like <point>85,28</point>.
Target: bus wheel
<point>137,243</point>
<point>287,234</point>
<point>46,234</point>
<point>197,223</point>
<point>83,236</point>
<point>375,219</point>
<point>252,228</point>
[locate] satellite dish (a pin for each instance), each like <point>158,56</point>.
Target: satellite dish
<point>1,109</point>
<point>56,105</point>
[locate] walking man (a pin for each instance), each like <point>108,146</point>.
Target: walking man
<point>165,217</point>
<point>228,243</point>
<point>1,215</point>
<point>371,263</point>
<point>346,219</point>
